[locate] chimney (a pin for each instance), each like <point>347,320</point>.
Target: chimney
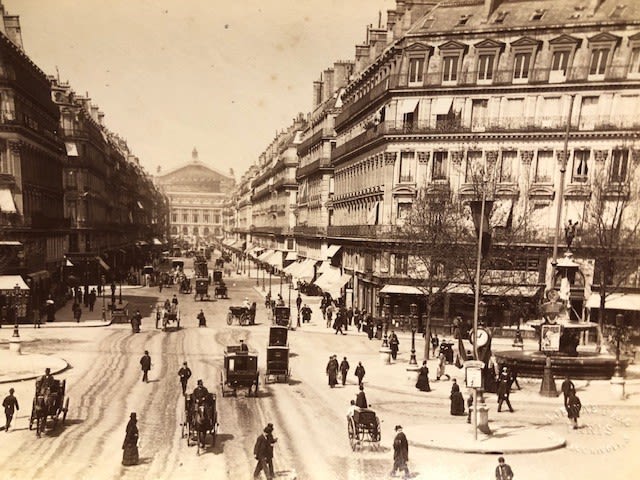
<point>194,154</point>
<point>317,93</point>
<point>490,6</point>
<point>391,23</point>
<point>158,169</point>
<point>343,71</point>
<point>101,118</point>
<point>327,90</point>
<point>362,57</point>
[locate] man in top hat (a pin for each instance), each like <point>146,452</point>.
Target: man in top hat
<point>185,374</point>
<point>263,452</point>
<point>200,392</point>
<point>504,389</point>
<point>400,452</point>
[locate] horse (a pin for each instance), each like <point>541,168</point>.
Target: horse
<point>204,420</point>
<point>44,404</point>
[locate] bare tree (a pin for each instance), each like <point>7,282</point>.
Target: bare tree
<point>610,227</point>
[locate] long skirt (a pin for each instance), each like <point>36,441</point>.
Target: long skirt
<point>130,454</point>
<point>457,404</point>
<point>423,383</point>
<point>333,378</point>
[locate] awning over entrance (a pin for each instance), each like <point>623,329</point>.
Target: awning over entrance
<point>291,256</point>
<point>332,281</point>
<point>401,289</point>
<point>264,257</point>
<point>8,283</point>
<point>332,250</point>
<point>7,205</point>
<point>103,264</point>
<point>39,275</point>
<point>495,290</point>
<point>616,301</point>
<point>303,271</point>
<point>156,241</point>
<point>275,259</point>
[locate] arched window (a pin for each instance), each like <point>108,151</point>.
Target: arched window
<point>185,230</point>
<point>174,230</point>
<point>195,230</point>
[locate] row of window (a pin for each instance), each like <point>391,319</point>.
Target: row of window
<point>506,167</point>
<point>195,218</point>
<point>522,69</point>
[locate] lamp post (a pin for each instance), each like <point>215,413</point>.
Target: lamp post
<point>289,280</point>
<point>414,320</point>
<point>269,283</point>
<point>617,372</point>
<point>16,294</point>
<point>263,267</point>
<point>387,318</point>
<point>257,274</point>
<point>281,284</point>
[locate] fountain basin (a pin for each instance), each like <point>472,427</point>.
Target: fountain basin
<point>584,366</point>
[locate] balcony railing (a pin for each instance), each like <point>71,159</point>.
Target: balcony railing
<point>310,230</point>
<point>363,231</point>
<point>323,162</point>
<point>304,147</point>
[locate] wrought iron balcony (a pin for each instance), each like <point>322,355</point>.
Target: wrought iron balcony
<point>363,231</point>
<point>315,231</point>
<point>318,164</point>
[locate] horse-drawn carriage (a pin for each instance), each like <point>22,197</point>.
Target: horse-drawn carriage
<point>200,420</point>
<point>48,401</point>
<point>168,316</point>
<point>185,284</point>
<point>281,315</point>
<point>363,426</point>
<point>244,315</point>
<point>220,290</point>
<point>240,370</point>
<point>277,355</point>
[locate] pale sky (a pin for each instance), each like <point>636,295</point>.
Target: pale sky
<point>171,75</point>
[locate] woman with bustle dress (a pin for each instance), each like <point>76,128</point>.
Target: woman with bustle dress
<point>423,378</point>
<point>130,445</point>
<point>332,371</point>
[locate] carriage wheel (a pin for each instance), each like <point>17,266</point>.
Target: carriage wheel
<point>353,439</point>
<point>65,410</point>
<point>376,433</point>
<point>229,318</point>
<point>243,319</point>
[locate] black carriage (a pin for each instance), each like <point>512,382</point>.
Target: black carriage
<point>281,315</point>
<point>48,401</point>
<point>220,290</point>
<point>363,426</point>
<point>240,371</point>
<point>217,276</point>
<point>202,289</point>
<point>200,419</point>
<point>185,285</point>
<point>177,265</point>
<point>278,355</point>
<point>244,315</point>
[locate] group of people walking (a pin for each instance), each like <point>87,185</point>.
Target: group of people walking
<point>333,367</point>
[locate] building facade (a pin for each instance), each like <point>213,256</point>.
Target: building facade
<point>197,194</point>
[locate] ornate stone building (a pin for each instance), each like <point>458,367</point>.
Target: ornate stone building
<point>197,194</point>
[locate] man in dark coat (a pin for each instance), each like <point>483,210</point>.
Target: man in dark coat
<point>306,313</point>
<point>298,302</point>
<point>394,343</point>
<point>400,452</point>
<point>573,407</point>
<point>145,364</point>
<point>200,392</point>
<point>202,320</point>
<point>263,452</point>
<point>360,372</point>
<point>10,404</point>
<point>504,390</point>
<point>92,299</point>
<point>185,374</point>
<point>344,369</point>
<point>503,470</point>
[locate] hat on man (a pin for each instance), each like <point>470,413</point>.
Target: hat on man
<point>268,428</point>
<point>199,382</point>
<point>398,427</point>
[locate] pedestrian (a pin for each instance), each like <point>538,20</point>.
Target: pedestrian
<point>435,342</point>
<point>423,378</point>
<point>369,323</point>
<point>360,372</point>
<point>332,371</point>
<point>130,454</point>
<point>86,296</point>
<point>329,314</point>
<point>503,470</point>
<point>113,293</point>
<point>394,343</point>
<point>361,398</point>
<point>344,368</point>
<point>504,390</point>
<point>306,314</point>
<point>10,404</point>
<point>339,321</point>
<point>400,452</point>
<point>469,405</point>
<point>566,388</point>
<point>185,374</point>
<point>202,320</point>
<point>92,299</point>
<point>457,400</point>
<point>174,300</point>
<point>263,452</point>
<point>349,316</point>
<point>51,309</point>
<point>145,364</point>
<point>298,302</point>
<point>573,407</point>
<point>442,361</point>
<point>77,313</point>
<point>357,319</point>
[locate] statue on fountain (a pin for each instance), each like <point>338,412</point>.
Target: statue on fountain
<point>570,233</point>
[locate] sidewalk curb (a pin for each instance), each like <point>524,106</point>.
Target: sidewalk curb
<point>33,377</point>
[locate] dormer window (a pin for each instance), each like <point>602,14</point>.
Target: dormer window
<point>602,46</point>
<point>416,71</point>
<point>452,53</point>
<point>563,49</point>
<point>488,52</point>
<point>463,20</point>
<point>500,17</point>
<point>537,16</point>
<point>617,11</point>
<point>598,63</point>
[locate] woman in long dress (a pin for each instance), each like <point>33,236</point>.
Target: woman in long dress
<point>457,400</point>
<point>130,445</point>
<point>423,378</point>
<point>332,371</point>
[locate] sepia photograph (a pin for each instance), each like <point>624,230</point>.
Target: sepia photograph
<point>319,239</point>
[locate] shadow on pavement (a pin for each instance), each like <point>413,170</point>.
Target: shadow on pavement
<point>221,439</point>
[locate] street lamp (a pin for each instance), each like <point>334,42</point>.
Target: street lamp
<point>289,280</point>
<point>617,372</point>
<point>16,293</point>
<point>269,283</point>
<point>387,316</point>
<point>414,323</point>
<point>263,267</point>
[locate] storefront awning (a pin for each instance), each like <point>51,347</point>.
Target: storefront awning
<point>156,241</point>
<point>332,281</point>
<point>616,301</point>
<point>103,264</point>
<point>7,205</point>
<point>8,283</point>
<point>494,290</point>
<point>275,259</point>
<point>39,275</point>
<point>407,105</point>
<point>291,256</point>
<point>332,250</point>
<point>264,257</point>
<point>441,106</point>
<point>68,263</point>
<point>401,290</point>
<point>292,269</point>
